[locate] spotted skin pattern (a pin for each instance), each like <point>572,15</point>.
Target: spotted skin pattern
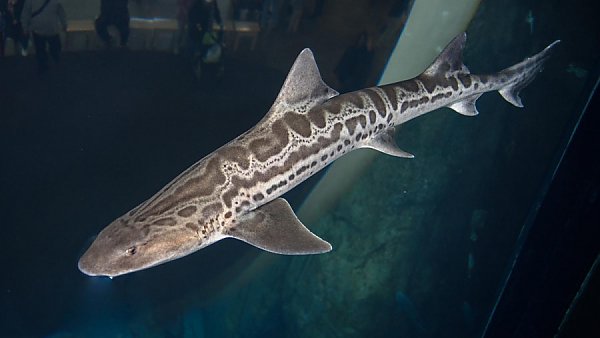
<point>308,127</point>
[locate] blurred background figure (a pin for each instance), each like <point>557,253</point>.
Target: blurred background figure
<point>269,18</point>
<point>183,11</point>
<point>11,10</point>
<point>45,19</point>
<point>115,13</point>
<point>206,44</point>
<point>355,65</point>
<point>2,27</point>
<point>246,10</point>
<point>202,16</point>
<point>297,7</point>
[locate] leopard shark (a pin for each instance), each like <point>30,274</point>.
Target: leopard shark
<point>234,192</point>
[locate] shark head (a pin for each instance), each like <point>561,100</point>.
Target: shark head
<point>123,247</point>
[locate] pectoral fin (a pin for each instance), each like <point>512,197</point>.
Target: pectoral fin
<point>275,228</point>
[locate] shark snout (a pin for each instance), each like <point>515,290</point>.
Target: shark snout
<point>88,264</point>
<point>97,261</point>
<point>93,264</point>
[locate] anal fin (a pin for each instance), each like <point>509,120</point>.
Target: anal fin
<point>511,95</point>
<point>275,228</point>
<point>385,143</point>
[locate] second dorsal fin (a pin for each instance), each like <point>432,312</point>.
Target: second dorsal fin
<point>450,59</point>
<point>303,88</point>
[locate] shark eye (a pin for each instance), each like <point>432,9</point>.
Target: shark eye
<point>131,251</point>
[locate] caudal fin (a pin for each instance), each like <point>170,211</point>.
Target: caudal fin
<point>520,75</point>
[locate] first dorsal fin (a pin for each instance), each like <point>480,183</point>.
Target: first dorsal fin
<point>303,88</point>
<point>450,59</point>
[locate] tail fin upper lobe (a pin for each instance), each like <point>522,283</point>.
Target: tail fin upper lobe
<point>521,74</point>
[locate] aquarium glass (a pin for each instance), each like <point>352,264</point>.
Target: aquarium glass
<point>422,247</point>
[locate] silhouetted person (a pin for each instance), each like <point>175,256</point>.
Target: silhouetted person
<point>44,19</point>
<point>183,10</point>
<point>269,18</point>
<point>297,11</point>
<point>246,10</point>
<point>116,13</point>
<point>354,67</point>
<point>202,16</point>
<point>2,28</point>
<point>11,11</point>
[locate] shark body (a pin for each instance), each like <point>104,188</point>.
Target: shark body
<point>234,191</point>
